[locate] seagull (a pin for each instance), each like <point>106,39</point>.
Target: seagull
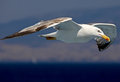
<point>71,32</point>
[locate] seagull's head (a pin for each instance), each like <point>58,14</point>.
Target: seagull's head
<point>99,33</point>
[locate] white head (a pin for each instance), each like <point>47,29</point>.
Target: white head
<point>96,32</point>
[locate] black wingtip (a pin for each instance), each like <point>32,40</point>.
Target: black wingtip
<point>2,39</point>
<point>5,38</point>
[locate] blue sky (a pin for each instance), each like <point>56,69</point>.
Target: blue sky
<point>19,9</point>
<point>18,14</point>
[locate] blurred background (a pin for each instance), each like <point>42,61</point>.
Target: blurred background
<point>33,59</point>
<point>18,14</point>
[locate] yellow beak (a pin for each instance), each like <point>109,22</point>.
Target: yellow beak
<point>106,37</point>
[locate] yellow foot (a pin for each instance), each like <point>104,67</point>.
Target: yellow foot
<point>50,38</point>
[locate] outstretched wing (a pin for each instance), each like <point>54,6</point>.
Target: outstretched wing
<point>109,30</point>
<point>63,22</point>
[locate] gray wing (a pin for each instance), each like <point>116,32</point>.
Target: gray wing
<point>110,31</point>
<point>64,22</point>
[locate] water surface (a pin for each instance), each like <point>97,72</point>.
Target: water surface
<point>59,72</point>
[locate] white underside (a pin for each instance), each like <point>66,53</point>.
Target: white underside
<point>72,36</point>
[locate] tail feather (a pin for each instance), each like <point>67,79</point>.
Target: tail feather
<point>50,36</point>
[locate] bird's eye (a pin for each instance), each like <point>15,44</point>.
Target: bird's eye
<point>99,31</point>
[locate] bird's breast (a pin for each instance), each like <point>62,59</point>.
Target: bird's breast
<point>72,36</point>
<point>83,36</point>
